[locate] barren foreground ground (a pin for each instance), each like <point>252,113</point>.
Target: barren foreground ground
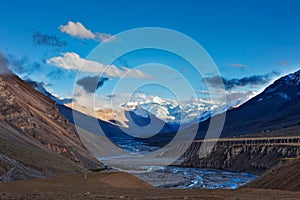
<point>112,185</point>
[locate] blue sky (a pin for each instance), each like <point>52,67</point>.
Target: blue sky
<point>244,38</point>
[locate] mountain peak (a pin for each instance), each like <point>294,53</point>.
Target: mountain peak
<point>288,85</point>
<point>293,77</point>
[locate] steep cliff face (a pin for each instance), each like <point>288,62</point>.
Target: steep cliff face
<point>32,119</point>
<point>240,154</point>
<point>244,158</point>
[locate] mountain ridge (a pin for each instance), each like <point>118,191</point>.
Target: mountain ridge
<point>267,111</point>
<point>29,120</point>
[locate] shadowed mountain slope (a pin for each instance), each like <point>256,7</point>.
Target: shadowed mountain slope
<point>286,176</point>
<point>276,107</point>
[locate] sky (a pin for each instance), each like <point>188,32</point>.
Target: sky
<point>251,42</point>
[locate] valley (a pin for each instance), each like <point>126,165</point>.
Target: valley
<point>46,135</point>
<point>150,100</point>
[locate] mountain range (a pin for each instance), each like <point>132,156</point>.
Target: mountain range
<point>276,107</point>
<point>171,111</point>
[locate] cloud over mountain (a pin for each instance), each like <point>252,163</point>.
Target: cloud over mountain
<point>72,61</point>
<point>91,83</point>
<point>245,81</point>
<point>22,66</point>
<point>3,64</point>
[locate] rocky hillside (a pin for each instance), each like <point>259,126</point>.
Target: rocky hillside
<point>33,133</point>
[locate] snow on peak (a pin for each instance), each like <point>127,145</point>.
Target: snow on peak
<point>290,79</point>
<point>172,111</point>
<point>285,87</point>
<point>158,100</point>
<point>141,112</point>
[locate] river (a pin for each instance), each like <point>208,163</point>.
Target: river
<point>171,176</point>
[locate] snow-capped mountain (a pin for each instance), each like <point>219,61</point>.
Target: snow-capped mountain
<point>172,111</point>
<point>286,87</point>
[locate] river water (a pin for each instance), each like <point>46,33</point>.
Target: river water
<point>179,177</point>
<point>171,176</point>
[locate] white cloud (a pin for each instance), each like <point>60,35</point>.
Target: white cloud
<point>72,61</point>
<point>233,98</point>
<point>89,100</point>
<point>239,97</point>
<point>78,30</point>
